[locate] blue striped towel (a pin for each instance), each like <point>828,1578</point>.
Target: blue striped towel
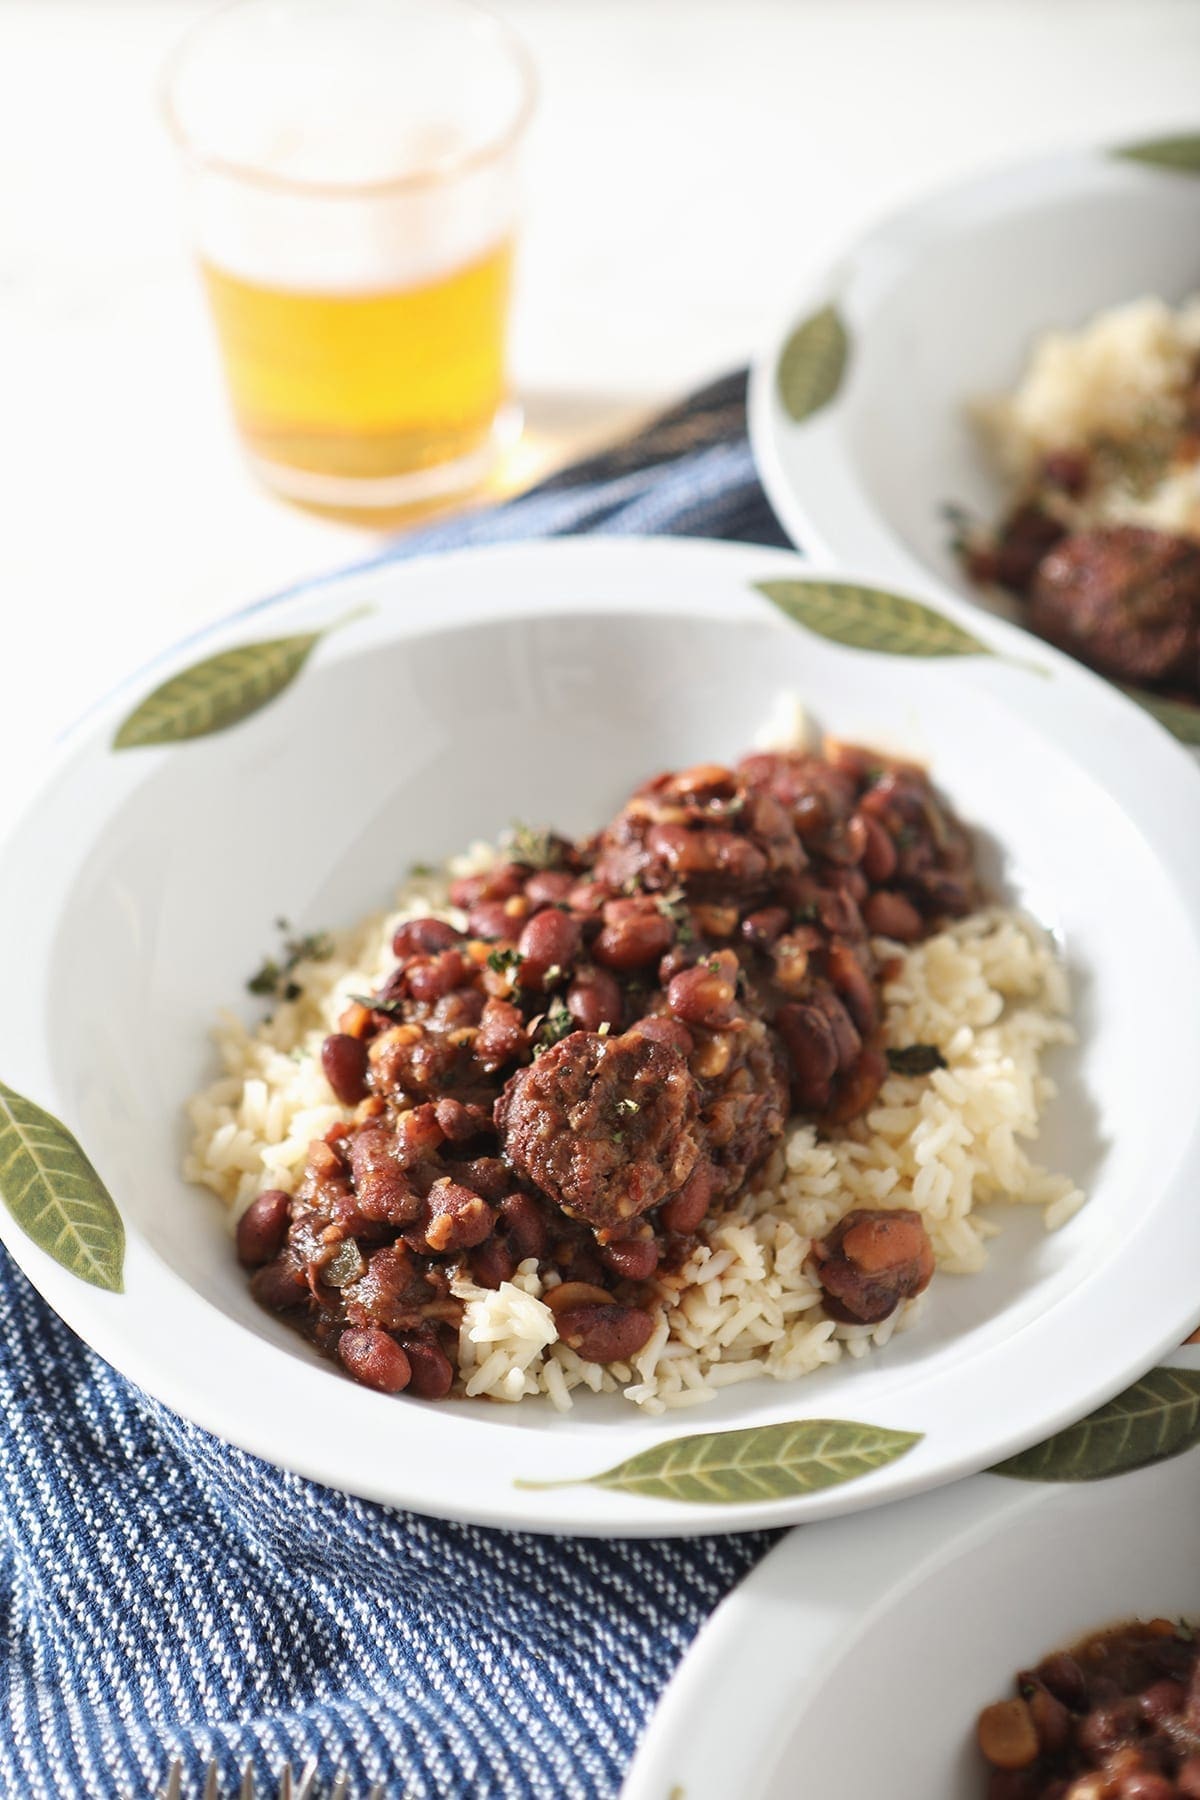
<point>164,1595</point>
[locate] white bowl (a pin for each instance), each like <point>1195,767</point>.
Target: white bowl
<point>940,304</point>
<point>140,889</point>
<point>854,1660</point>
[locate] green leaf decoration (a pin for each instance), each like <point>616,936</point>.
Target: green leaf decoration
<point>863,618</point>
<point>220,691</point>
<point>55,1195</point>
<point>1180,719</point>
<point>765,1462</point>
<point>1180,154</point>
<point>1158,1417</point>
<point>812,364</point>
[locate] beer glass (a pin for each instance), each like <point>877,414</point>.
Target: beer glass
<point>352,169</point>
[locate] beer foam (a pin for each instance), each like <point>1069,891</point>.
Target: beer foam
<point>346,98</point>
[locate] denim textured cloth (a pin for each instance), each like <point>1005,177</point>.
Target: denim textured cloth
<point>163,1595</point>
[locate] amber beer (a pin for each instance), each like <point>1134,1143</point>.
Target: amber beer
<point>353,179</point>
<point>368,386</point>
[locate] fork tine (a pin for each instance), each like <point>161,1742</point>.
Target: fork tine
<point>246,1791</point>
<point>307,1776</point>
<point>341,1788</point>
<point>211,1791</point>
<point>174,1789</point>
<point>285,1783</point>
<point>376,1792</point>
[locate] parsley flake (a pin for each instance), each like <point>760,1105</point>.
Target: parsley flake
<point>916,1059</point>
<point>274,978</point>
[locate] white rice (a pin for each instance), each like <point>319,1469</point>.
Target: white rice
<point>1117,381</point>
<point>988,991</point>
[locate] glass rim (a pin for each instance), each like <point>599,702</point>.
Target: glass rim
<point>450,168</point>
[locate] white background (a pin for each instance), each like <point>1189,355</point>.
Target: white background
<point>692,161</point>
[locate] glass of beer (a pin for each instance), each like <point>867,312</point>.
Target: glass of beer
<point>353,175</point>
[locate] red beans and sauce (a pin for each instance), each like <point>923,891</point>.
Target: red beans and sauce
<point>1115,1718</point>
<point>603,1053</point>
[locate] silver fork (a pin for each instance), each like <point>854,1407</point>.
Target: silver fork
<point>291,1787</point>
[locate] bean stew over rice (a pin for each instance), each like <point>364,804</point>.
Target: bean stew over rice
<point>584,1065</point>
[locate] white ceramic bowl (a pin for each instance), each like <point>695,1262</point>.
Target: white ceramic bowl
<point>855,1660</point>
<point>140,888</point>
<point>941,303</point>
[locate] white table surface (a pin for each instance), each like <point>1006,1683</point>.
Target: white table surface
<point>693,160</point>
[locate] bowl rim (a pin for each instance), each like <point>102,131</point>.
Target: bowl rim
<point>199,1387</point>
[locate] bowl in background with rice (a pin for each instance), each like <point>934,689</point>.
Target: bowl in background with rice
<point>905,392</point>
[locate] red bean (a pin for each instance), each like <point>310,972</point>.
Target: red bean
<point>1187,1778</point>
<point>633,1258</point>
<point>279,1285</point>
<point>1065,1679</point>
<point>812,1051</point>
<point>524,1227</point>
<point>498,883</point>
<point>588,896</point>
<point>458,1218</point>
<point>707,994</point>
<point>633,935</point>
<point>262,1228</point>
<point>1106,1727</point>
<point>344,1060</point>
<point>549,887</point>
<point>491,1263</point>
<point>763,927</point>
<point>605,1333</point>
<point>661,1030</point>
<point>433,978</point>
<point>424,937</point>
<point>1051,1720</point>
<point>485,1175</point>
<point>1145,1784</point>
<point>550,940</point>
<point>381,1184</point>
<point>501,1036</point>
<point>1161,1701</point>
<point>891,915</point>
<point>879,856</point>
<point>684,1210</point>
<point>839,914</point>
<point>432,1372</point>
<point>594,999</point>
<point>498,921</point>
<point>459,1123</point>
<point>374,1358</point>
<point>855,987</point>
<point>418,1133</point>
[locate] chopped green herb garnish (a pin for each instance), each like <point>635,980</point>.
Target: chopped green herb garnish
<point>672,905</point>
<point>626,1105</point>
<point>916,1059</point>
<point>420,871</point>
<point>504,962</point>
<point>392,1009</point>
<point>534,847</point>
<point>555,1024</point>
<point>274,979</point>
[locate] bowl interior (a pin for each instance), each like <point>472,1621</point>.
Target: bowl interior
<point>1029,1578</point>
<point>400,748</point>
